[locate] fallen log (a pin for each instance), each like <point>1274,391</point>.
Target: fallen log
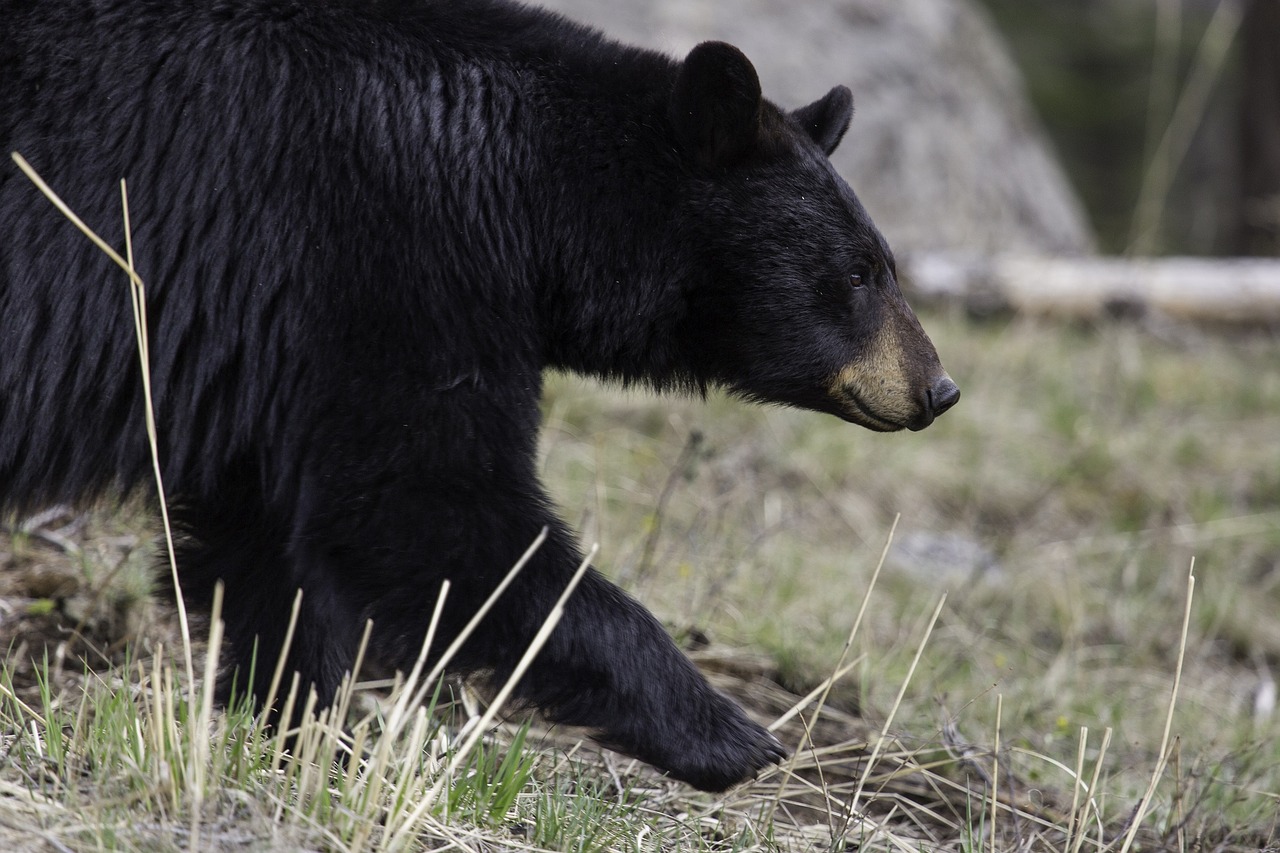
<point>1207,290</point>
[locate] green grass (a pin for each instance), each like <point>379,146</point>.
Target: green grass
<point>1089,465</point>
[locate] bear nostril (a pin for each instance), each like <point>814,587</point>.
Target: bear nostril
<point>943,395</point>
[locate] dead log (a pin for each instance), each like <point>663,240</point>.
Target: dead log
<point>1206,290</point>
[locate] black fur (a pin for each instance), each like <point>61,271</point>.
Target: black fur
<point>367,227</point>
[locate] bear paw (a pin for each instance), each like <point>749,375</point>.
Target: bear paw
<point>712,747</point>
<point>735,751</point>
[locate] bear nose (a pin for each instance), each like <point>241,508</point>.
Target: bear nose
<point>942,395</point>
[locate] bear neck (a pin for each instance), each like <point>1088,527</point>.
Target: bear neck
<point>549,173</point>
<point>615,180</point>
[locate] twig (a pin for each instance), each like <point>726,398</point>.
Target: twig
<point>1145,802</point>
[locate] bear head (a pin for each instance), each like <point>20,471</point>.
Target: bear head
<point>797,301</point>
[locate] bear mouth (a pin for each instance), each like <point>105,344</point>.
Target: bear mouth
<point>855,410</point>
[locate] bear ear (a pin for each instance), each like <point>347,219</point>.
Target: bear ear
<point>716,104</point>
<point>826,119</point>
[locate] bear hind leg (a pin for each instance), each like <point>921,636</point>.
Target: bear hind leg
<point>236,543</point>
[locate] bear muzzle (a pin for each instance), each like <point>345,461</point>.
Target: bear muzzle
<point>888,406</point>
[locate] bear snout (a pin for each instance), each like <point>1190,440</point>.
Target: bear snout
<point>941,395</point>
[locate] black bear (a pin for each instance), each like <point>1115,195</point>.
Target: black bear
<point>367,228</point>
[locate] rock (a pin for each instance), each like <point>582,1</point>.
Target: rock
<point>942,559</point>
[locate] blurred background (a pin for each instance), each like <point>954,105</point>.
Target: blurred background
<point>1138,126</point>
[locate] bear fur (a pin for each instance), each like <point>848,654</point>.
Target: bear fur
<point>367,227</point>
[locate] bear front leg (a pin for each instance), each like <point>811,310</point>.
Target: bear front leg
<point>465,515</point>
<point>611,667</point>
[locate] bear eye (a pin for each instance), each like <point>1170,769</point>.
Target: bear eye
<point>855,280</point>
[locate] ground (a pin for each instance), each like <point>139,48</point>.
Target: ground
<point>1059,507</point>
